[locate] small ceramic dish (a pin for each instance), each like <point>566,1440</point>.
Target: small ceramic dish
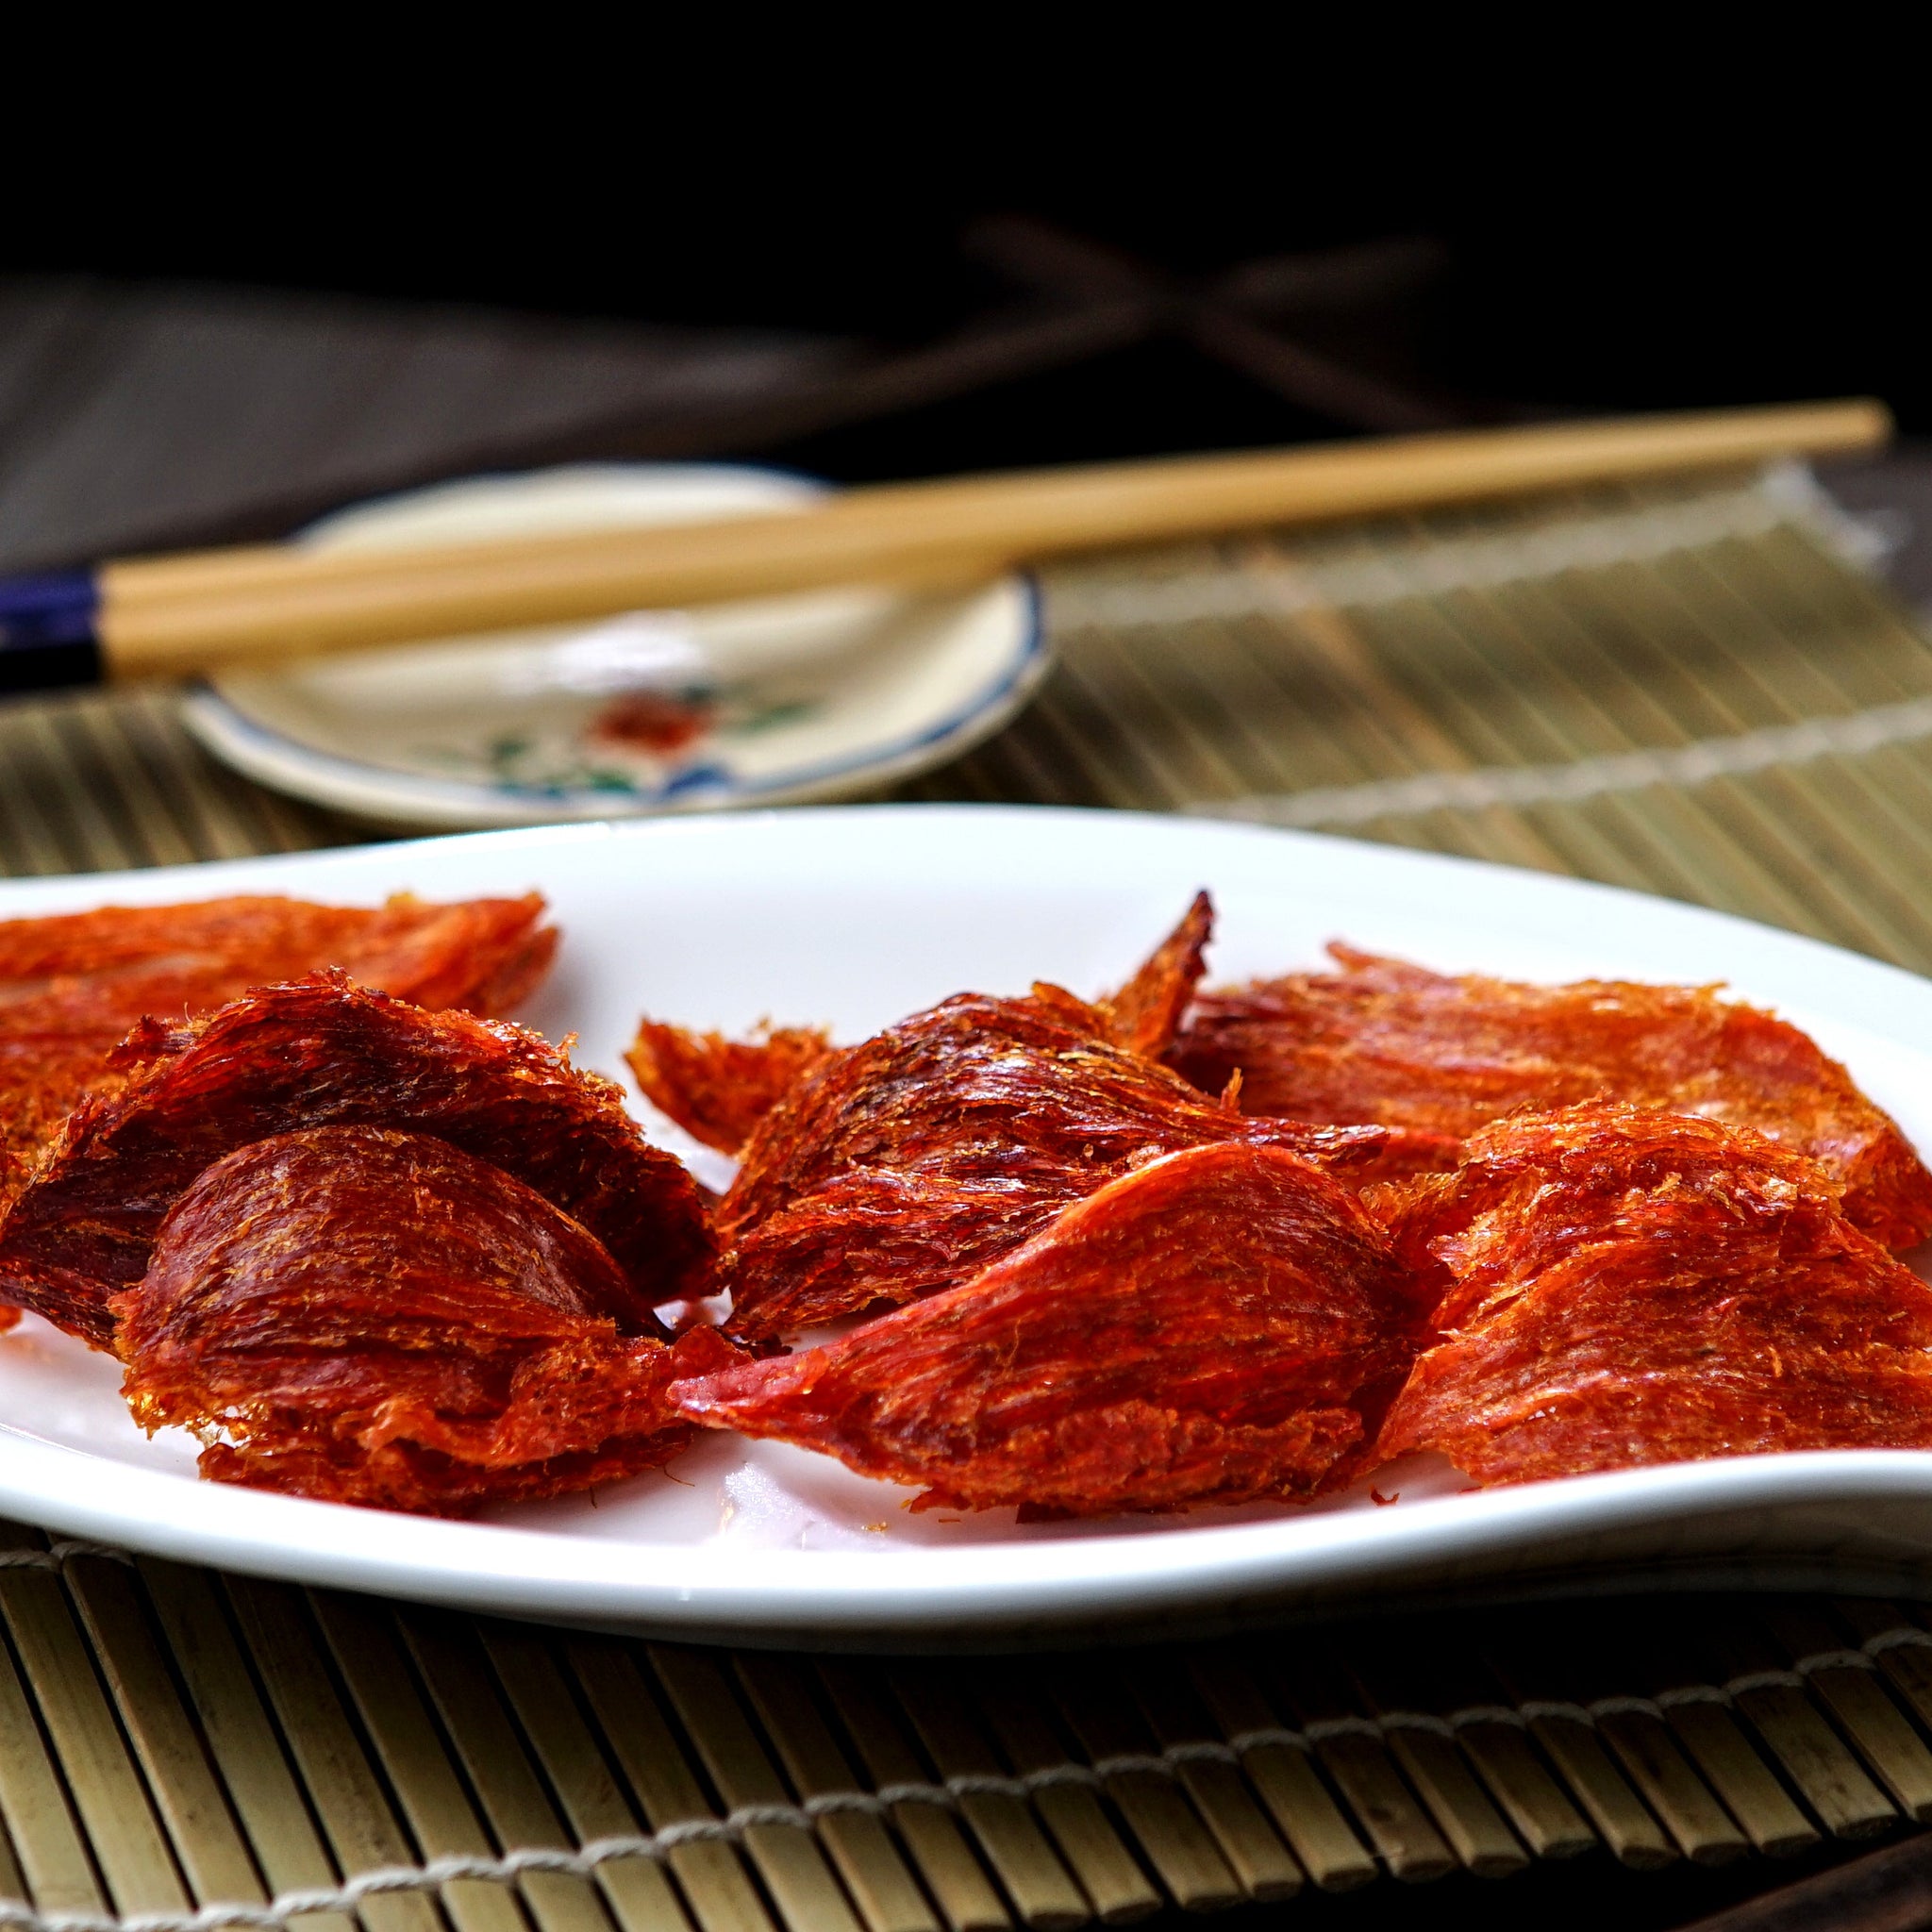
<point>765,702</point>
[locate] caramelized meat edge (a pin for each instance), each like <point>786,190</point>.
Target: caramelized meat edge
<point>1381,1041</point>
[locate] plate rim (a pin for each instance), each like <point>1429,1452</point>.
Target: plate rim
<point>970,1590</point>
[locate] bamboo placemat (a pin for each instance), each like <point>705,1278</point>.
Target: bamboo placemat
<point>1696,693</point>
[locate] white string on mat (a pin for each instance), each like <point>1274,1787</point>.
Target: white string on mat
<point>583,1862</point>
<point>1898,1636</point>
<point>1697,763</point>
<point>1786,495</point>
<point>55,1555</point>
<point>346,1897</point>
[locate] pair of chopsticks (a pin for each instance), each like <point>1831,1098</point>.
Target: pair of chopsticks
<point>180,615</point>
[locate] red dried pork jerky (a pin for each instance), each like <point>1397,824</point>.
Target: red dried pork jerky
<point>71,984</point>
<point>717,1089</point>
<point>322,1052</point>
<point>1622,1286</point>
<point>1145,1014</point>
<point>1222,1324</point>
<point>1383,1041</point>
<point>371,1317</point>
<point>900,1167</point>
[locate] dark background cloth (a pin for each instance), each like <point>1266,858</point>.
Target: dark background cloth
<point>1625,223</point>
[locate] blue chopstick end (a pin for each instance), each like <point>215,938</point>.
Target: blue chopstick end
<point>47,632</point>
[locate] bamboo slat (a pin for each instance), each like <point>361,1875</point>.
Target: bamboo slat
<point>495,1762</point>
<point>1155,1806</point>
<point>203,1830</point>
<point>1710,1732</point>
<point>665,1786</point>
<point>1266,1868</point>
<point>242,1738</point>
<point>953,1875</point>
<point>1042,1893</point>
<point>1495,1742</point>
<point>876,1877</point>
<point>48,1856</point>
<point>586,1789</point>
<point>1283,1774</point>
<point>1073,1813</point>
<point>337,1774</point>
<point>109,1798</point>
<point>1851,1691</point>
<point>786,1856</point>
<point>1825,1771</point>
<point>415,1761</point>
<point>1902,1649</point>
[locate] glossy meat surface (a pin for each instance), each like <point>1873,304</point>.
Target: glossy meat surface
<point>1620,1286</point>
<point>1383,1041</point>
<point>1209,1327</point>
<point>900,1167</point>
<point>322,1052</point>
<point>371,1317</point>
<point>71,984</point>
<point>718,1089</point>
<point>1145,1014</point>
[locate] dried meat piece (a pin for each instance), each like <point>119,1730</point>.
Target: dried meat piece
<point>1145,1014</point>
<point>1222,1324</point>
<point>1622,1286</point>
<point>900,1167</point>
<point>72,984</point>
<point>371,1317</point>
<point>718,1089</point>
<point>322,1052</point>
<point>1386,1042</point>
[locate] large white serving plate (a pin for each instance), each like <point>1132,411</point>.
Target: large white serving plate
<point>855,917</point>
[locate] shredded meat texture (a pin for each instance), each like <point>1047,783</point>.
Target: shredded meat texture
<point>1621,1286</point>
<point>1145,1014</point>
<point>322,1052</point>
<point>717,1089</point>
<point>1222,1324</point>
<point>900,1167</point>
<point>71,984</point>
<point>1380,1040</point>
<point>372,1317</point>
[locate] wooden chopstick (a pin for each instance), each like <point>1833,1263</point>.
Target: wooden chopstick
<point>182,613</point>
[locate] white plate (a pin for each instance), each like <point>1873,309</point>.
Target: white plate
<point>857,917</point>
<point>769,702</point>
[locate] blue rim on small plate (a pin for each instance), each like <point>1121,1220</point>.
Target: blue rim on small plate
<point>776,701</point>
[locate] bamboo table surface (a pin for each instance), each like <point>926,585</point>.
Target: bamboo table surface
<point>1700,691</point>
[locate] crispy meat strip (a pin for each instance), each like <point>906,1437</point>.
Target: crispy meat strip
<point>901,1167</point>
<point>717,1089</point>
<point>1222,1324</point>
<point>71,984</point>
<point>1145,1014</point>
<point>1383,1041</point>
<point>372,1317</point>
<point>1622,1286</point>
<point>324,1052</point>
